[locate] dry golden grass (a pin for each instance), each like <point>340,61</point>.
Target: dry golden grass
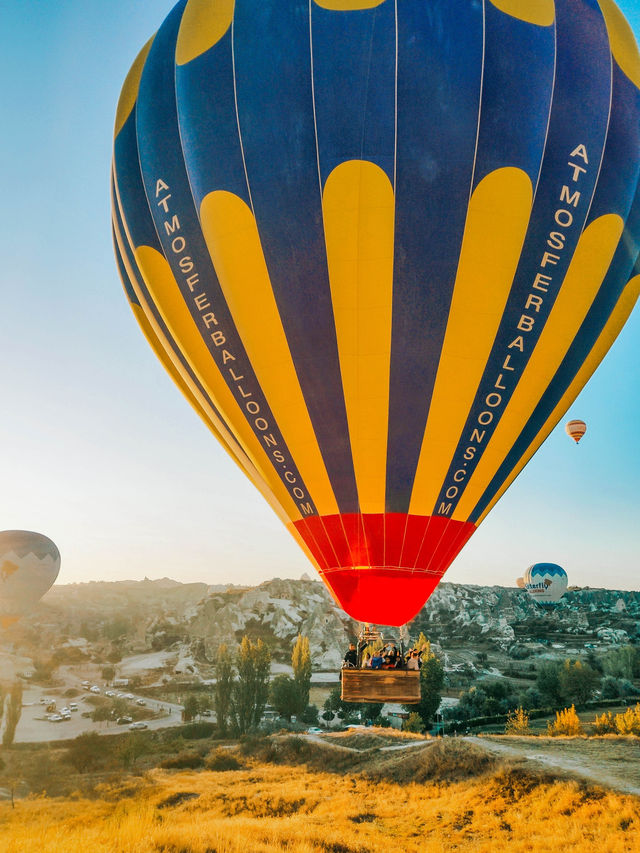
<point>463,800</point>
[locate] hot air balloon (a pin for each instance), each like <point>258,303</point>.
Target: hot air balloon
<point>575,430</point>
<point>520,583</point>
<point>546,583</point>
<point>381,247</point>
<point>29,565</point>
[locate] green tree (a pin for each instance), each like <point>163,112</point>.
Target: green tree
<point>251,689</point>
<point>85,752</point>
<point>108,673</point>
<point>431,683</point>
<point>548,682</point>
<point>191,707</point>
<point>577,681</point>
<point>285,696</point>
<point>301,663</point>
<point>102,713</point>
<point>223,689</point>
<point>621,663</point>
<point>131,748</point>
<point>346,711</point>
<point>14,711</point>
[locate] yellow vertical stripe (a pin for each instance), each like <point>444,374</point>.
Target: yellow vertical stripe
<point>496,225</point>
<point>231,234</point>
<point>164,351</point>
<point>166,296</point>
<point>622,40</point>
<point>203,24</point>
<point>540,12</point>
<point>587,269</point>
<point>129,93</point>
<point>612,329</point>
<point>358,210</point>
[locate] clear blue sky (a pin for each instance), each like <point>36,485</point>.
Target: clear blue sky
<point>98,449</point>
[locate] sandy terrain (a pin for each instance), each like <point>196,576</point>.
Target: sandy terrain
<point>611,762</point>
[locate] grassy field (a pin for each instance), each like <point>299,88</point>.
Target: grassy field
<point>345,794</point>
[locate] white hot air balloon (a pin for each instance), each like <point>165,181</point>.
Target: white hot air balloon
<point>546,583</point>
<point>29,565</point>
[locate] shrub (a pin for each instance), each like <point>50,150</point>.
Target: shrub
<point>183,761</point>
<point>517,722</point>
<point>222,759</point>
<point>86,751</point>
<point>413,723</point>
<point>567,723</point>
<point>195,731</point>
<point>628,723</point>
<point>604,724</point>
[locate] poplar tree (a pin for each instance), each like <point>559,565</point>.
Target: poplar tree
<point>251,688</point>
<point>14,712</point>
<point>301,663</point>
<point>223,688</point>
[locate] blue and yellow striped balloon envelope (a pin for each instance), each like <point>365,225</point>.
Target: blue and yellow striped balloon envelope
<point>381,245</point>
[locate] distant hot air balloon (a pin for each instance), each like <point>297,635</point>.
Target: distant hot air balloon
<point>546,583</point>
<point>575,430</point>
<point>520,583</point>
<point>381,247</point>
<point>29,565</point>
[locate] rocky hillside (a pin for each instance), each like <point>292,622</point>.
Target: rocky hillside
<point>154,615</point>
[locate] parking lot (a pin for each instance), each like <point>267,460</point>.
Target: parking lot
<point>36,724</point>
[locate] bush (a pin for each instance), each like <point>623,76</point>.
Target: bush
<point>183,761</point>
<point>195,731</point>
<point>86,752</point>
<point>628,723</point>
<point>221,760</point>
<point>567,723</point>
<point>517,722</point>
<point>413,723</point>
<point>604,724</point>
<point>310,715</point>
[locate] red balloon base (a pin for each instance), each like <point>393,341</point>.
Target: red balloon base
<point>382,568</point>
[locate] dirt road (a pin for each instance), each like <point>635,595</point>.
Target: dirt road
<point>610,762</point>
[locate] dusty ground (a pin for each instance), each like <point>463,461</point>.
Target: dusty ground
<point>611,761</point>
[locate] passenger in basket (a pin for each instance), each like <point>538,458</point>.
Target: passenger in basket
<point>351,656</point>
<point>414,661</point>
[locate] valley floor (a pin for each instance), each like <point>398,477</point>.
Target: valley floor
<point>288,793</point>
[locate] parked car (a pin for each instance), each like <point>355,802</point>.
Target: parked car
<point>85,684</point>
<point>55,718</point>
<point>314,730</point>
<point>138,725</point>
<point>122,721</point>
<point>73,706</point>
<point>140,702</point>
<point>109,693</point>
<point>94,689</point>
<point>128,695</point>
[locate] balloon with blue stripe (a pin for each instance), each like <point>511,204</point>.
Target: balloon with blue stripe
<point>546,583</point>
<point>381,246</point>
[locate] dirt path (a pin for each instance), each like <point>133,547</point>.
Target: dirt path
<point>611,763</point>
